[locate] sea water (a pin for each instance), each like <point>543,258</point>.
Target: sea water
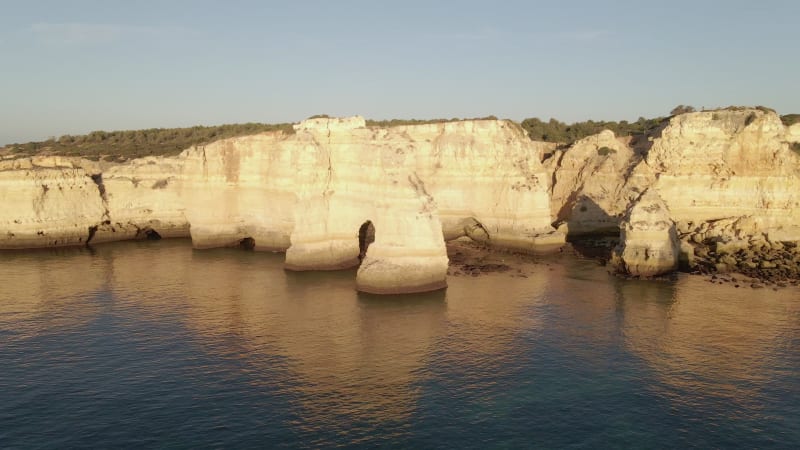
<point>154,344</point>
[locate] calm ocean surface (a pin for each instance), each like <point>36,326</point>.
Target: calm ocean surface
<point>153,344</point>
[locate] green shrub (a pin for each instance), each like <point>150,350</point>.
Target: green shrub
<point>795,147</point>
<point>790,119</point>
<point>112,145</point>
<point>681,109</point>
<point>766,109</point>
<point>605,151</point>
<point>557,131</point>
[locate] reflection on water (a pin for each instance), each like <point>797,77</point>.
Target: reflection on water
<point>713,345</point>
<point>153,343</point>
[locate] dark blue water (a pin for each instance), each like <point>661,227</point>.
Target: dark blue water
<point>156,345</point>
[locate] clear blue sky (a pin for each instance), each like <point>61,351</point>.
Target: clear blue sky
<point>77,66</point>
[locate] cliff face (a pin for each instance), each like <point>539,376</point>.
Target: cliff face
<point>309,194</point>
<point>591,186</point>
<point>48,202</point>
<point>723,164</point>
<point>706,166</point>
<point>722,175</point>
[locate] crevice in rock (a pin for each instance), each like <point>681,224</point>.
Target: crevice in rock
<point>92,231</point>
<point>98,180</point>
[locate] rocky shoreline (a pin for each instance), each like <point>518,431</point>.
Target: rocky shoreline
<point>756,264</point>
<point>771,264</point>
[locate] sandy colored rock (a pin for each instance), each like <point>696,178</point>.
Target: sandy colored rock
<point>590,191</point>
<point>47,203</point>
<point>793,133</point>
<point>308,194</point>
<point>649,243</point>
<point>710,166</point>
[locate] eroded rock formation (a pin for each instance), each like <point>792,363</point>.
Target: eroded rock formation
<point>725,175</point>
<point>649,242</point>
<point>707,166</point>
<point>308,194</point>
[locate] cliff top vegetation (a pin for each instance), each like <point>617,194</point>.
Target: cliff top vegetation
<point>121,145</point>
<point>139,143</point>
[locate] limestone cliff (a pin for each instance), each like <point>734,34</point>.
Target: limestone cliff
<point>48,202</point>
<point>308,194</point>
<point>723,164</point>
<point>591,184</point>
<point>707,166</point>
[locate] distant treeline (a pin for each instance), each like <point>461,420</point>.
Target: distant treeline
<point>790,119</point>
<point>399,122</point>
<point>557,131</point>
<point>113,145</point>
<point>139,143</point>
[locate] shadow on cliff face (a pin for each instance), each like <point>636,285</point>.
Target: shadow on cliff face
<point>584,217</point>
<point>591,230</point>
<point>641,143</point>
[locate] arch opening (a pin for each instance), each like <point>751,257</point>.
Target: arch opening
<point>366,236</point>
<point>247,243</point>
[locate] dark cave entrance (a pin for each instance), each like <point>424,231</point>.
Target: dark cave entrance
<point>366,236</point>
<point>247,243</point>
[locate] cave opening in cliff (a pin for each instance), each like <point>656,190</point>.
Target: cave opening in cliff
<point>366,236</point>
<point>247,243</point>
<point>152,235</point>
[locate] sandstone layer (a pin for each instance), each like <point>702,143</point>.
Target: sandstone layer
<point>307,193</point>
